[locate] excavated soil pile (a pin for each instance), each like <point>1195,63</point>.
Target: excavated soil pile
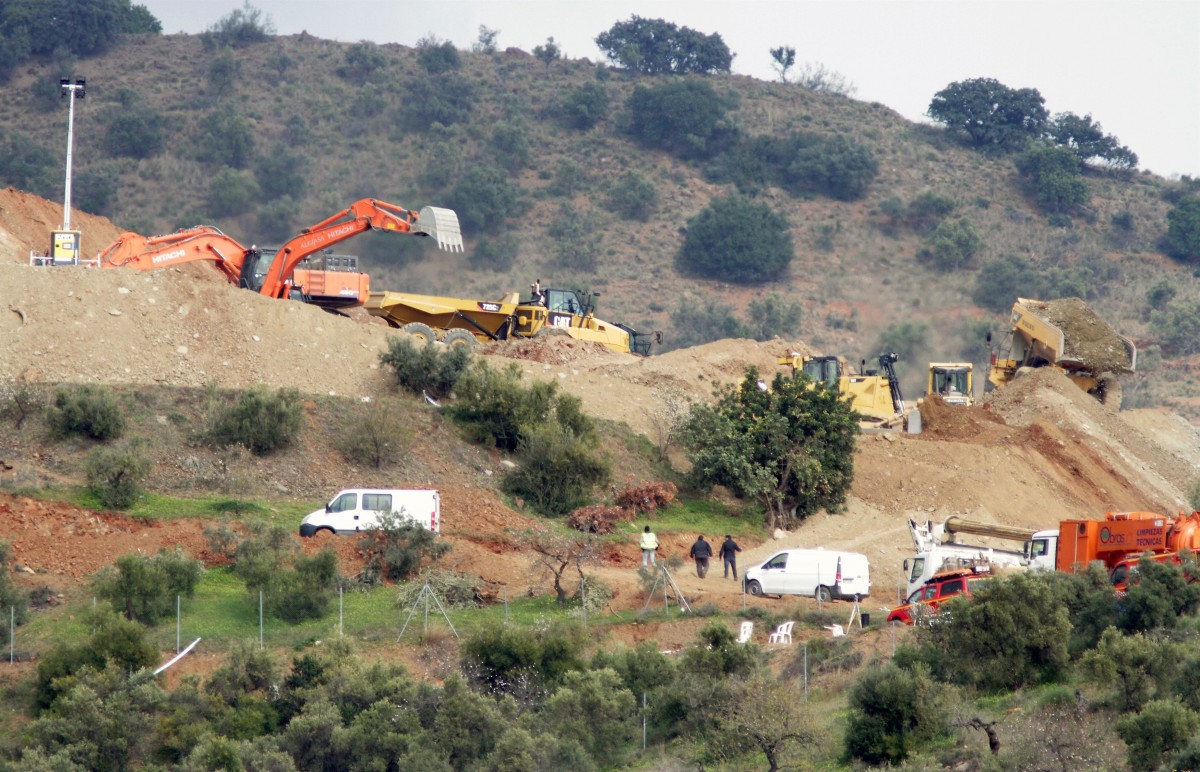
<point>1087,337</point>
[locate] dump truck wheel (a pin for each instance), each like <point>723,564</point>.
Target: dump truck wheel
<point>459,338</point>
<point>1109,392</point>
<point>420,333</point>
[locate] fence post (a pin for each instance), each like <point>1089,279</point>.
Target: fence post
<point>176,623</point>
<point>341,613</point>
<point>260,619</point>
<point>12,633</point>
<point>806,671</point>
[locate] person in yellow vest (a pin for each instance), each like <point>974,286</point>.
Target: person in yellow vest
<point>649,546</point>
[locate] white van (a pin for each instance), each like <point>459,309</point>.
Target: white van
<point>830,573</point>
<point>357,509</point>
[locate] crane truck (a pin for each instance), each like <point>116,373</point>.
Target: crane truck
<point>462,322</point>
<point>874,394</point>
<point>281,276</point>
<point>1067,335</point>
<point>938,548</point>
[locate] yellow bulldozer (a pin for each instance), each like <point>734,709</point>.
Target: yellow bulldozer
<point>952,381</point>
<point>874,394</point>
<point>461,322</point>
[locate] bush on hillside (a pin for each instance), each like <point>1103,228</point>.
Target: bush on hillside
<point>430,369</point>
<point>557,471</point>
<point>231,192</point>
<point>396,547</point>
<point>1054,176</point>
<point>144,588</point>
<point>437,56</point>
<point>135,132</point>
<point>86,411</point>
<point>484,197</point>
<point>447,98</point>
<point>598,518</point>
<point>685,117</point>
<point>498,408</point>
<point>20,400</point>
<point>802,163</point>
<point>893,713</point>
<point>362,63</point>
<point>696,321</point>
<point>495,253</point>
<point>739,240</point>
<point>12,597</point>
<point>239,28</point>
<point>115,475</point>
<point>226,139</point>
<point>374,436</point>
<point>952,245</point>
<point>634,197</point>
<point>989,114</point>
<point>294,587</point>
<point>658,47</point>
<point>1183,230</point>
<point>258,421</point>
<point>585,106</point>
<point>507,660</point>
<point>26,164</point>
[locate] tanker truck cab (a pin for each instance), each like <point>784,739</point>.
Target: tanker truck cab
<point>812,572</point>
<point>358,509</point>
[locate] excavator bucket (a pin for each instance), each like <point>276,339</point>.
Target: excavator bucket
<point>442,225</point>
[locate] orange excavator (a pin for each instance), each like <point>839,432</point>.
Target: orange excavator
<point>295,270</point>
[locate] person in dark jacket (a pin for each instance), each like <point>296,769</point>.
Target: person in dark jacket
<point>728,554</point>
<point>701,552</point>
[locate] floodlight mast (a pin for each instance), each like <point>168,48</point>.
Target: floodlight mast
<point>70,90</point>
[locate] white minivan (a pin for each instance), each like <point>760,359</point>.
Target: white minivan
<point>820,573</point>
<point>357,509</point>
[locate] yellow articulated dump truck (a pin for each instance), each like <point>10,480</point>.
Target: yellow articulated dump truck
<point>461,322</point>
<point>1067,335</point>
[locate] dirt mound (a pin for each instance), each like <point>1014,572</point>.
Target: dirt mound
<point>943,421</point>
<point>1086,337</point>
<point>26,221</point>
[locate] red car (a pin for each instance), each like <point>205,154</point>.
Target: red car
<point>943,586</point>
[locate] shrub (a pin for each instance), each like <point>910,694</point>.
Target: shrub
<point>258,421</point>
<point>431,369</point>
<point>226,139</point>
<point>556,470</point>
<point>739,240</point>
<point>12,597</point>
<point>445,99</point>
<point>241,27</point>
<point>495,253</point>
<point>483,197</point>
<point>774,316</point>
<point>115,475</point>
<point>577,240</point>
<point>280,173</point>
<point>396,547</point>
<point>361,63</point>
<point>927,210</point>
<point>135,132</point>
<point>802,163</point>
<point>893,712</point>
<point>144,588</point>
<point>697,321</point>
<point>294,587</point>
<point>374,436</point>
<point>20,400</point>
<point>26,164</point>
<point>684,117</point>
<point>498,408</point>
<point>585,106</point>
<point>633,197</point>
<point>510,145</point>
<point>88,411</point>
<point>952,244</point>
<point>437,56</point>
<point>506,659</point>
<point>113,641</point>
<point>1183,230</point>
<point>231,192</point>
<point>1054,176</point>
<point>223,71</point>
<point>657,47</point>
<point>1160,730</point>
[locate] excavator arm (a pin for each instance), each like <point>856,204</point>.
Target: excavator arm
<point>363,215</point>
<point>203,242</point>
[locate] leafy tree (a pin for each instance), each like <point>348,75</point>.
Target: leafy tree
<point>739,240</point>
<point>429,369</point>
<point>657,47</point>
<point>395,547</point>
<point>506,659</point>
<point>497,407</point>
<point>239,28</point>
<point>927,210</point>
<point>1012,633</point>
<point>1139,668</point>
<point>1178,326</point>
<point>1160,730</point>
<point>767,718</point>
<point>1183,230</point>
<point>260,422</point>
<point>790,446</point>
<point>585,106</point>
<point>594,709</point>
<point>281,173</point>
<point>633,196</point>
<point>496,253</point>
<point>87,411</point>
<point>26,164</point>
<point>486,42</point>
<point>1087,140</point>
<point>115,475</point>
<point>893,712</point>
<point>437,56</point>
<point>484,197</point>
<point>447,98</point>
<point>773,316</point>
<point>547,53</point>
<point>557,470</point>
<point>801,163</point>
<point>226,139</point>
<point>83,27</point>
<point>144,587</point>
<point>231,192</point>
<point>135,132</point>
<point>374,436</point>
<point>223,70</point>
<point>684,117</point>
<point>294,587</point>
<point>364,63</point>
<point>784,59</point>
<point>952,244</point>
<point>989,113</point>
<point>510,145</point>
<point>1160,595</point>
<point>1054,176</point>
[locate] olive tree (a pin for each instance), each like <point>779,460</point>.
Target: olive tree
<point>739,240</point>
<point>990,114</point>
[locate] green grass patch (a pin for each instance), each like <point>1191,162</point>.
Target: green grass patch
<point>694,516</point>
<point>155,506</point>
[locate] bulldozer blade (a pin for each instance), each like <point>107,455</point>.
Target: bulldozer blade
<point>442,225</point>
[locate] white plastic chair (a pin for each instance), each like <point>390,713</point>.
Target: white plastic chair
<point>836,630</point>
<point>782,634</point>
<point>747,631</point>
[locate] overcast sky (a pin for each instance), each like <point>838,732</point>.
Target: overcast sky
<point>1133,65</point>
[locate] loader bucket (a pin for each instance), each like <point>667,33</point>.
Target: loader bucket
<point>442,225</point>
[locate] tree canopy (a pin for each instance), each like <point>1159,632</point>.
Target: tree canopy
<point>737,239</point>
<point>790,446</point>
<point>989,113</point>
<point>657,47</point>
<point>1087,140</point>
<point>683,117</point>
